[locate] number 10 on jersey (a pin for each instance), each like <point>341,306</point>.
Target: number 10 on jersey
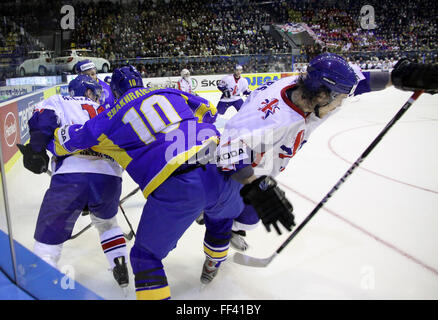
<point>160,115</point>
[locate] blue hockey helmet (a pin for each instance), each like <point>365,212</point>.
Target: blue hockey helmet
<point>85,65</point>
<point>331,71</point>
<point>125,78</point>
<point>79,85</point>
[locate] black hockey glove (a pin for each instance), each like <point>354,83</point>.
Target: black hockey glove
<point>37,162</point>
<point>269,202</point>
<point>226,94</point>
<point>412,76</point>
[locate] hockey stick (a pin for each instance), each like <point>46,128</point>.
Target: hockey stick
<point>263,262</point>
<point>132,233</point>
<point>80,232</point>
<point>128,236</point>
<point>129,195</point>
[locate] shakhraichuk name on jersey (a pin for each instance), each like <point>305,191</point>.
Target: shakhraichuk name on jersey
<point>160,133</point>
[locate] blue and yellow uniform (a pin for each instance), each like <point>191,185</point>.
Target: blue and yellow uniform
<point>154,135</point>
<point>107,98</point>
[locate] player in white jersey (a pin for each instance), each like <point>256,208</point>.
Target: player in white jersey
<point>278,117</point>
<point>232,86</point>
<point>84,180</point>
<point>185,83</point>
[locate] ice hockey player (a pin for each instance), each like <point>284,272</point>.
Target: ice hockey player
<point>86,179</point>
<point>159,128</point>
<point>185,83</point>
<point>89,68</point>
<point>283,114</point>
<point>232,86</point>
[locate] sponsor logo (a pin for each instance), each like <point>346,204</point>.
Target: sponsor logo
<point>266,184</point>
<point>24,115</point>
<point>64,134</point>
<point>209,83</point>
<point>259,80</point>
<point>10,129</point>
<point>230,155</point>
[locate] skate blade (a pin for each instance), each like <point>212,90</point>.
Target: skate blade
<point>202,286</point>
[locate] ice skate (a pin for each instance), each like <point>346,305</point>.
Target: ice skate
<point>120,272</point>
<point>209,270</point>
<point>237,240</point>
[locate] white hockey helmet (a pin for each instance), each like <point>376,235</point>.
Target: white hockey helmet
<point>185,73</point>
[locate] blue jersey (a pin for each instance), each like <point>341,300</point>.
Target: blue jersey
<point>107,98</point>
<point>150,133</point>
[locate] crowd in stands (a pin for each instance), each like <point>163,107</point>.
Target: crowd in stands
<point>159,35</point>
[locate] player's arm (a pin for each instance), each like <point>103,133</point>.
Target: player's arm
<point>406,75</point>
<point>41,126</point>
<point>70,139</point>
<point>412,76</point>
<point>203,109</point>
<point>262,193</point>
<point>267,198</point>
<point>246,91</point>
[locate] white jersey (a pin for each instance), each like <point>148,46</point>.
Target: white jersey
<point>235,87</point>
<point>78,110</point>
<point>185,85</point>
<point>269,124</point>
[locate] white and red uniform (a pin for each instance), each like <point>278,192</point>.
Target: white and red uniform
<point>77,110</point>
<point>269,124</point>
<point>235,86</point>
<point>86,178</point>
<point>185,84</point>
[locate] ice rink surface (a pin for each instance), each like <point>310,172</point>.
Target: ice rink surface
<point>375,238</point>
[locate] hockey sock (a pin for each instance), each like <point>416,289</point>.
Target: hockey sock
<point>152,284</point>
<point>113,244</point>
<point>150,278</point>
<point>50,253</point>
<point>216,246</point>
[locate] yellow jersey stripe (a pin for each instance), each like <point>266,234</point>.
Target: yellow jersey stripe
<point>106,146</point>
<point>172,165</point>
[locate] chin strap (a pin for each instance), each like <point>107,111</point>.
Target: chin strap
<point>316,110</point>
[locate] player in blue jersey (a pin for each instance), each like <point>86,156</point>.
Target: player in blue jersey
<point>159,138</point>
<point>83,180</point>
<point>88,67</point>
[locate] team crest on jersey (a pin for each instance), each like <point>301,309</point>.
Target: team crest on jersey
<point>269,107</point>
